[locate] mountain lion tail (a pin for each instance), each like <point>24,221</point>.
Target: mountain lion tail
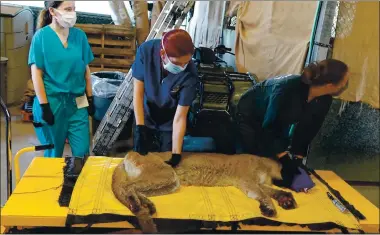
<point>137,203</point>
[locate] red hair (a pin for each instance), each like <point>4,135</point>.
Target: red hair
<point>177,43</point>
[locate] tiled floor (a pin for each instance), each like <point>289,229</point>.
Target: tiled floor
<point>23,136</point>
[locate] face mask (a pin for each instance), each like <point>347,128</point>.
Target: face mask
<point>173,68</point>
<point>66,19</point>
<point>169,66</point>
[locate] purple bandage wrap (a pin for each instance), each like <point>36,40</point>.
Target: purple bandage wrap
<point>302,181</point>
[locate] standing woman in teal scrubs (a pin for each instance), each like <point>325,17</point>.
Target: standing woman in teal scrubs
<point>59,56</point>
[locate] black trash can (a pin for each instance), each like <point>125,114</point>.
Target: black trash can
<point>104,89</point>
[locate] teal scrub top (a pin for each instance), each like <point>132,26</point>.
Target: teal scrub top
<point>64,68</point>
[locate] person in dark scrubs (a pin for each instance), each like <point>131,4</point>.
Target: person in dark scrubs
<point>268,110</point>
<point>165,81</point>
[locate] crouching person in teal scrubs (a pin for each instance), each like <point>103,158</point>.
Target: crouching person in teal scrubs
<point>59,58</point>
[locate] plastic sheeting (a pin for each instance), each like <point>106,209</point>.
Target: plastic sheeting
<point>106,84</point>
<point>92,196</point>
<point>206,25</point>
<point>272,36</point>
<point>357,44</point>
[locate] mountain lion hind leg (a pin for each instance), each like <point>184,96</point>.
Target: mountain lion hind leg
<point>133,182</point>
<point>255,192</point>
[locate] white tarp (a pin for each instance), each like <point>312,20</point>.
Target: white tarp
<point>140,11</point>
<point>206,25</point>
<point>119,13</point>
<point>232,7</point>
<point>120,16</point>
<point>272,36</point>
<point>158,5</point>
<point>357,44</point>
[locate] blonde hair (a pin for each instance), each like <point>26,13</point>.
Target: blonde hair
<point>45,18</point>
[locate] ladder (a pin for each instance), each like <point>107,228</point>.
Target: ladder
<point>120,110</point>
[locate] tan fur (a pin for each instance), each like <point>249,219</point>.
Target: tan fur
<point>139,177</point>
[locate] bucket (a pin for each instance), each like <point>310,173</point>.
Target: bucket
<point>104,88</point>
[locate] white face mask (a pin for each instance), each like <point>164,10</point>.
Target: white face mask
<point>66,19</point>
<point>173,68</point>
<point>169,66</point>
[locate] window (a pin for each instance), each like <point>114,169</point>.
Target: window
<point>100,7</point>
<point>26,3</point>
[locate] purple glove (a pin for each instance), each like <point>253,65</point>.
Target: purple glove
<point>302,181</point>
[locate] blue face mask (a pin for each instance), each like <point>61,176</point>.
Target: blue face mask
<point>173,68</point>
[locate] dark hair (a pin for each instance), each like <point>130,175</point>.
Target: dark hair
<point>45,18</point>
<point>324,72</point>
<point>177,42</point>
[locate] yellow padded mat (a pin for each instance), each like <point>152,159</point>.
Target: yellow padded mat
<point>92,196</point>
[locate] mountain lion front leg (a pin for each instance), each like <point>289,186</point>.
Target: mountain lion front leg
<point>253,190</point>
<point>284,199</point>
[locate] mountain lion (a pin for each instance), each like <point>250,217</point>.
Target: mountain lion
<point>138,177</point>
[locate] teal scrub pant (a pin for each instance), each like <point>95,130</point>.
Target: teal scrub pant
<point>69,123</point>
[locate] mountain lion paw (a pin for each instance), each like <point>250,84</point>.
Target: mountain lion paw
<point>286,200</point>
<point>267,210</point>
<point>148,204</point>
<point>134,204</point>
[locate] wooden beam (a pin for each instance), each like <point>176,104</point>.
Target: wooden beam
<point>112,62</point>
<point>113,51</point>
<point>107,42</point>
<point>107,29</point>
<point>97,69</point>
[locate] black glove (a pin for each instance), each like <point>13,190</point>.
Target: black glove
<point>175,160</point>
<point>289,170</point>
<point>47,114</point>
<point>90,108</point>
<point>298,161</point>
<point>141,140</point>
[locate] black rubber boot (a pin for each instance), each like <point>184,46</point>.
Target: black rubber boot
<point>71,171</point>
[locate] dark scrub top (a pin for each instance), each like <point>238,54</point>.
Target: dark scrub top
<point>162,93</point>
<point>269,109</point>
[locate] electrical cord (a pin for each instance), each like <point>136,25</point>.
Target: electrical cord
<point>40,191</point>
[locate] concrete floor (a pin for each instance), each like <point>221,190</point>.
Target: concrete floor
<point>23,136</point>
